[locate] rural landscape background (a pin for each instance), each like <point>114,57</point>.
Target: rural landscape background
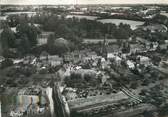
<point>83,58</point>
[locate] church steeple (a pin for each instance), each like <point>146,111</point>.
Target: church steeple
<point>104,49</point>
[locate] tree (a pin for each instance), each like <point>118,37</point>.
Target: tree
<point>13,20</point>
<point>10,53</point>
<point>24,45</point>
<point>160,19</point>
<point>50,44</point>
<point>62,30</point>
<point>123,32</point>
<point>7,38</point>
<point>148,114</point>
<point>30,31</point>
<point>126,47</point>
<point>6,63</point>
<point>163,110</point>
<point>134,85</point>
<point>58,46</point>
<point>32,35</point>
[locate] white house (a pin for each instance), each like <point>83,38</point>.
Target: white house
<point>144,60</point>
<point>130,64</point>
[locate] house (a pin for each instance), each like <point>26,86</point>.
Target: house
<point>110,56</point>
<point>1,59</point>
<point>73,56</point>
<point>92,55</point>
<point>141,40</point>
<point>84,72</point>
<point>155,28</point>
<point>155,45</point>
<point>16,61</point>
<point>105,64</point>
<point>163,46</point>
<point>43,55</point>
<point>96,41</point>
<point>136,48</point>
<point>42,38</point>
<point>52,60</point>
<point>145,44</point>
<point>164,63</point>
<point>130,64</point>
<point>144,60</point>
<point>1,30</point>
<point>13,29</point>
<point>104,77</point>
<point>55,60</point>
<point>166,41</point>
<point>114,48</point>
<point>77,56</point>
<point>29,59</point>
<point>3,18</point>
<point>68,57</point>
<point>116,59</point>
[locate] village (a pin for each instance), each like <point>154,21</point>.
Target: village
<point>80,56</point>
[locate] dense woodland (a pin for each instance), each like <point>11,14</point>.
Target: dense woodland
<point>72,29</point>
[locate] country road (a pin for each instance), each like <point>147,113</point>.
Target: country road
<point>59,104</point>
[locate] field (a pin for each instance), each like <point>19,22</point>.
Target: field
<point>132,23</point>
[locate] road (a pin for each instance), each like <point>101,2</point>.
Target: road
<point>162,70</point>
<point>59,104</point>
<point>98,106</point>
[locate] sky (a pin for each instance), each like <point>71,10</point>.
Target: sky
<point>57,2</point>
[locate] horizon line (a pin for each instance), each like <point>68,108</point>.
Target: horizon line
<point>93,4</point>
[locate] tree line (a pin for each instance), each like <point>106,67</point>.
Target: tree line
<point>82,28</point>
<point>72,29</point>
<point>18,42</point>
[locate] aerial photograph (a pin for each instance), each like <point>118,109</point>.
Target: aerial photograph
<point>83,58</point>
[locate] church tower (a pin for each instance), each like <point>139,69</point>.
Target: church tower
<point>104,49</point>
